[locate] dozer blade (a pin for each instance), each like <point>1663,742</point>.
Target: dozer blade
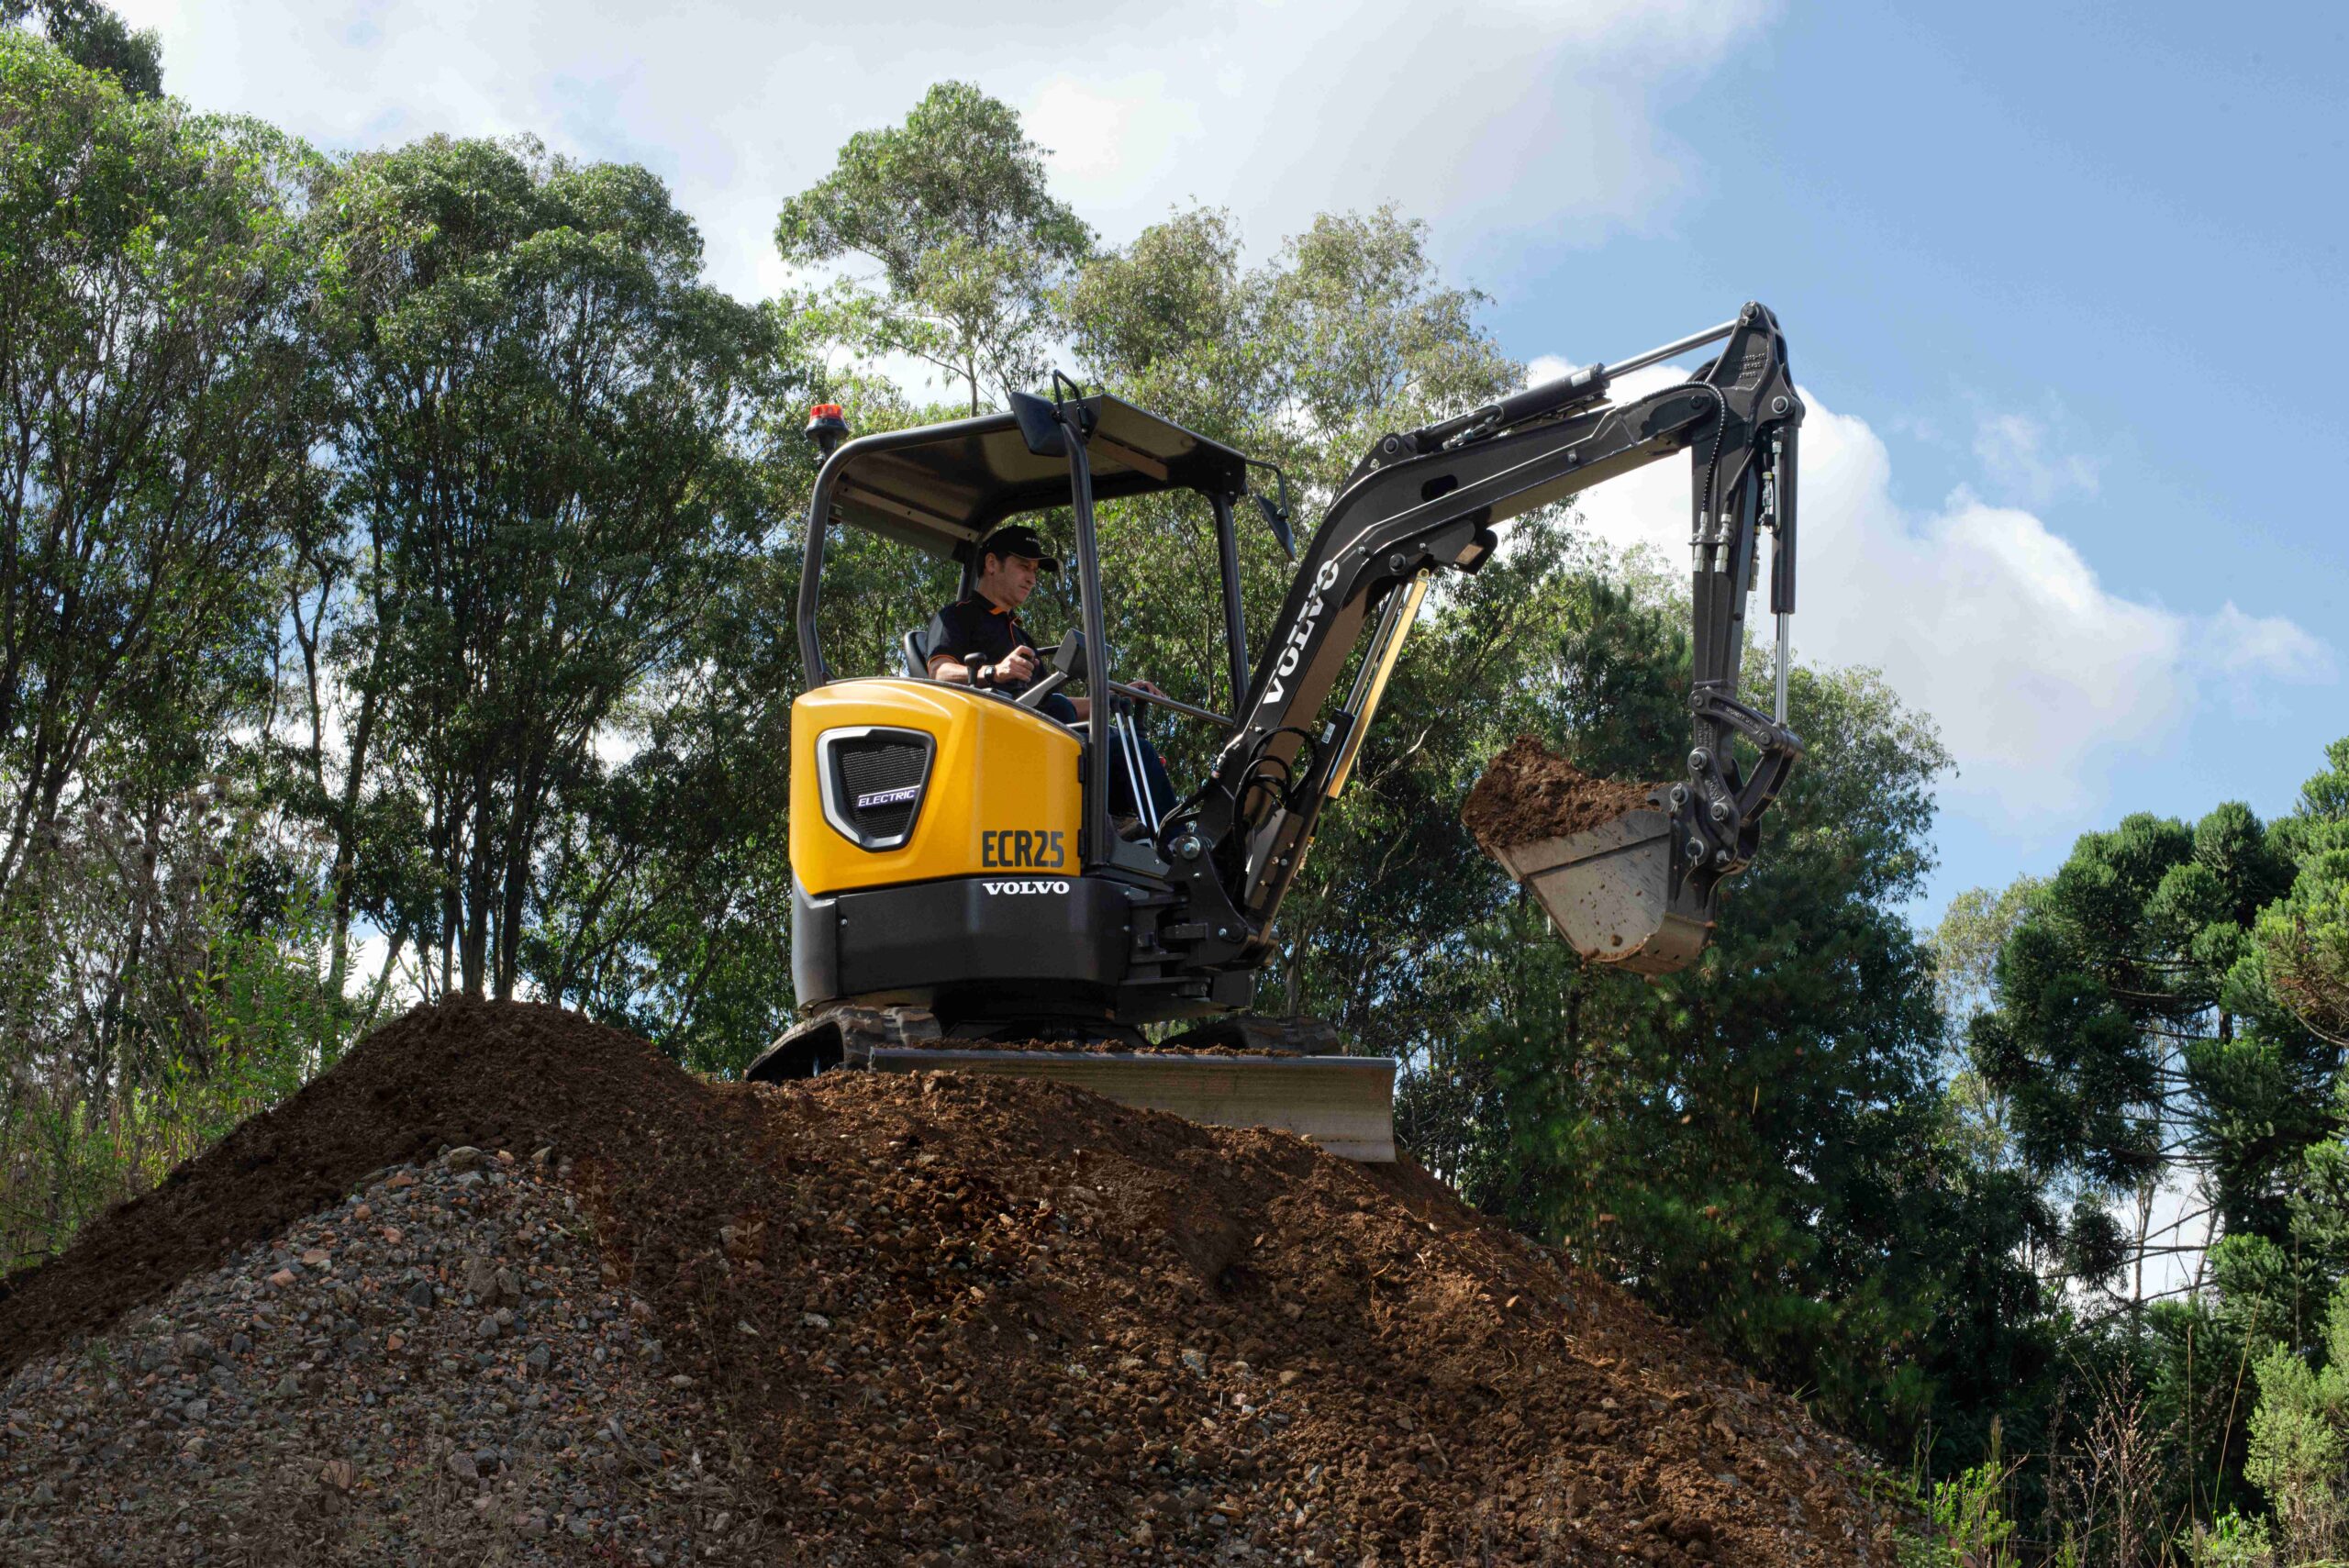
<point>1609,891</point>
<point>1344,1104</point>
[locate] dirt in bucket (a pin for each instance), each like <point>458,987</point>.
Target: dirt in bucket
<point>1529,792</point>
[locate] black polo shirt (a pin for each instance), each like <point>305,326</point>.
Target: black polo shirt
<point>976,631</point>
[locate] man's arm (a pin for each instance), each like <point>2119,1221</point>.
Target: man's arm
<point>1020,664</point>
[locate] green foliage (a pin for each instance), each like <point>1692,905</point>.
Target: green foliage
<point>2298,1437</point>
<point>970,242</point>
<point>542,492</point>
<point>1965,1521</point>
<point>2302,941</point>
<point>2230,1541</point>
<point>94,38</point>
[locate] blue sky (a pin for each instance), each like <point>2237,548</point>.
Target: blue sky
<point>2054,278</point>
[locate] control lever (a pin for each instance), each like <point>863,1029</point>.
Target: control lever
<point>1068,664</point>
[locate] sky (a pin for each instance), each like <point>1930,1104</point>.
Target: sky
<point>2048,273</point>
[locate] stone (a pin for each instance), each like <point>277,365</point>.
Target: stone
<point>464,1157</point>
<point>281,1278</point>
<point>480,1279</point>
<point>420,1293</point>
<point>488,1328</point>
<point>469,1179</point>
<point>462,1466</point>
<point>1196,1361</point>
<point>339,1473</point>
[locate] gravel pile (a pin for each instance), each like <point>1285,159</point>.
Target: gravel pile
<point>865,1320</point>
<point>435,1370</point>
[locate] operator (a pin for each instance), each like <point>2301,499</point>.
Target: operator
<point>977,640</point>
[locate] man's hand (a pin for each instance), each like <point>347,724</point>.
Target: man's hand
<point>1142,685</point>
<point>1020,664</point>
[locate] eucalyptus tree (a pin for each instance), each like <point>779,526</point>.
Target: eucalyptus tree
<point>955,207</point>
<point>542,483</point>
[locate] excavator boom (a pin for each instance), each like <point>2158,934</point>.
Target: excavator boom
<point>1640,891</point>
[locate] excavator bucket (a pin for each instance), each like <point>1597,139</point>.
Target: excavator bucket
<point>1596,852</point>
<point>1607,890</point>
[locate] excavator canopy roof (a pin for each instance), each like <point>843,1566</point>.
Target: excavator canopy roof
<point>944,486</point>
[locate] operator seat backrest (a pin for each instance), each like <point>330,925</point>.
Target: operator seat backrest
<point>915,645</point>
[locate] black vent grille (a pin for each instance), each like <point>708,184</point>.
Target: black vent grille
<point>878,780</point>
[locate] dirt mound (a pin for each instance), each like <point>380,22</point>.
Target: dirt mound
<point>1529,792</point>
<point>940,1313</point>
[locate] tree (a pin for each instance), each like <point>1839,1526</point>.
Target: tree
<point>154,460</point>
<point>538,466</point>
<point>154,431</point>
<point>2303,939</point>
<point>93,36</point>
<point>2130,1052</point>
<point>954,207</point>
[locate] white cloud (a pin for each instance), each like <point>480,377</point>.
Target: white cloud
<point>2271,646</point>
<point>2042,678</point>
<point>2017,455</point>
<point>1544,368</point>
<point>1525,120</point>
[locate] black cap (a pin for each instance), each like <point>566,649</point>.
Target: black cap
<point>1020,540</point>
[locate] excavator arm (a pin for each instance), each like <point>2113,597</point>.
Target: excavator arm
<point>1430,499</point>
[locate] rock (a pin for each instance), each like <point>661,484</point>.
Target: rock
<point>462,1466</point>
<point>281,1278</point>
<point>339,1473</point>
<point>542,1156</point>
<point>44,1494</point>
<point>420,1293</point>
<point>197,1409</point>
<point>465,1157</point>
<point>315,1258</point>
<point>480,1279</point>
<point>488,1328</point>
<point>1196,1361</point>
<point>362,1212</point>
<point>814,1320</point>
<point>469,1179</point>
<point>404,1179</point>
<point>539,1358</point>
<point>509,1285</point>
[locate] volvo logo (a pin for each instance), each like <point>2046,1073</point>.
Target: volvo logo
<point>1277,687</point>
<point>1023,887</point>
<point>904,795</point>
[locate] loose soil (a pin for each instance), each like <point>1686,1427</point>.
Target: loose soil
<point>1529,792</point>
<point>933,1317</point>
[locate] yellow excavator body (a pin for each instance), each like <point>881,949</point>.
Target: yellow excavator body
<point>997,794</point>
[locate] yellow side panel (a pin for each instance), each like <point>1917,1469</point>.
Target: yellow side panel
<point>1002,792</point>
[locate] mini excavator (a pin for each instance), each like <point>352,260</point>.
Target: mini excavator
<point>957,884</point>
